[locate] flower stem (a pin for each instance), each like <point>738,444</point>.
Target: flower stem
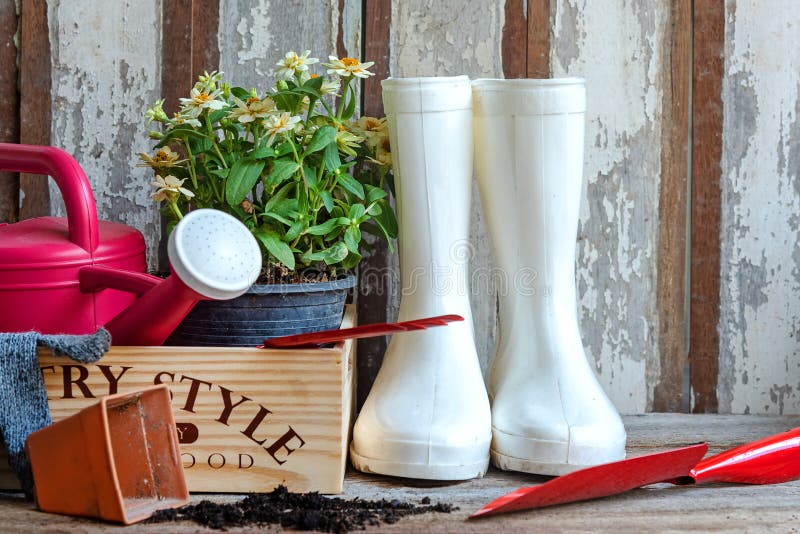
<point>173,206</point>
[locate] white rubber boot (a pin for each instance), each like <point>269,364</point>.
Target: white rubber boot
<point>427,415</point>
<point>549,414</point>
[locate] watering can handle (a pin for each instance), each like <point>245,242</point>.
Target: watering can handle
<point>71,181</point>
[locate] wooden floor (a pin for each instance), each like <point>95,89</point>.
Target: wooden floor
<point>658,508</point>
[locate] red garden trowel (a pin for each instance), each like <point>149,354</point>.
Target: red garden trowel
<point>769,460</point>
<point>313,339</point>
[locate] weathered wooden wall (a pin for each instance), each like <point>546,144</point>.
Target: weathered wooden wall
<point>105,72</point>
<point>617,47</point>
<point>94,69</point>
<point>759,347</point>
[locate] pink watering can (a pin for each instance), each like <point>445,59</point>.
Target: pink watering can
<point>73,275</point>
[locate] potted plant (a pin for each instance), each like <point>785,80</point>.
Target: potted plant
<point>298,170</point>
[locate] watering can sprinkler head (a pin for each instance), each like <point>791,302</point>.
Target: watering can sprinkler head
<point>213,257</point>
<point>214,254</point>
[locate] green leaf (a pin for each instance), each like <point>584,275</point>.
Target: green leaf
<point>324,228</point>
<point>356,211</point>
<point>352,237</point>
<point>278,197</point>
<point>351,107</point>
<point>331,157</point>
<point>243,176</point>
<point>374,193</point>
<point>321,138</point>
<point>276,247</point>
<point>335,254</point>
<point>327,200</point>
<point>283,149</point>
<point>351,260</point>
<point>262,152</point>
<point>306,90</point>
<point>240,93</point>
<point>311,176</point>
<point>278,217</point>
<point>314,83</point>
<point>281,169</point>
<point>295,230</point>
<point>351,185</point>
<point>374,209</point>
<point>218,114</point>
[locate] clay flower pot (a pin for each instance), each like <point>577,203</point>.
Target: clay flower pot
<point>117,460</point>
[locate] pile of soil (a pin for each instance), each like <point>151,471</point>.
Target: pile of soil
<point>301,511</point>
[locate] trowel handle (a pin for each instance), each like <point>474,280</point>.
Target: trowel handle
<point>71,181</point>
<point>770,460</point>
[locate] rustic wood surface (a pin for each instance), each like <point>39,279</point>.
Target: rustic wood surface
<point>9,105</point>
<point>87,74</point>
<point>759,350</point>
<point>35,110</point>
<point>619,48</point>
<point>656,508</point>
<point>709,31</point>
<point>668,395</point>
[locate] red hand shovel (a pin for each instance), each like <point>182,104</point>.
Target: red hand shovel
<point>357,332</point>
<point>769,460</point>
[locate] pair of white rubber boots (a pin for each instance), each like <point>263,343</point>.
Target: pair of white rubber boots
<point>428,414</point>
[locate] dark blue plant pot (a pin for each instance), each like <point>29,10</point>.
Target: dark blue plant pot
<point>265,311</point>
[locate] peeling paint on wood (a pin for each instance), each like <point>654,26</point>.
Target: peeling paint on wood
<point>616,46</point>
<point>106,72</point>
<point>254,35</point>
<point>430,38</point>
<point>760,272</point>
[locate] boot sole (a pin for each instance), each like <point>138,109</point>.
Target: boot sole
<point>421,471</point>
<point>542,460</point>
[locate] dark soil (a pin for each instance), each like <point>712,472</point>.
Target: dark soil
<point>301,511</point>
<point>279,274</point>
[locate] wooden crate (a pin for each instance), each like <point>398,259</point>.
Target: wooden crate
<point>248,419</point>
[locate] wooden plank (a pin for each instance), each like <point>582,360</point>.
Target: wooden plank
<point>619,49</point>
<point>205,26</point>
<point>176,44</point>
<point>707,73</point>
<point>671,277</point>
<point>374,288</point>
<point>35,102</point>
<point>538,64</point>
<point>9,106</point>
<point>514,45</point>
<point>759,369</point>
<point>263,418</point>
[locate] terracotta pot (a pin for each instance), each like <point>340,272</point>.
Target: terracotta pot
<point>117,460</point>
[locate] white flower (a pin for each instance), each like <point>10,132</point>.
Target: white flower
<point>163,159</point>
<point>281,123</point>
<point>375,130</point>
<point>156,112</point>
<point>167,186</point>
<point>330,87</point>
<point>180,119</point>
<point>251,110</point>
<point>348,66</point>
<point>198,101</point>
<point>207,83</point>
<point>293,64</point>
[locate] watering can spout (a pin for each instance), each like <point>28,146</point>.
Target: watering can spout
<point>212,255</point>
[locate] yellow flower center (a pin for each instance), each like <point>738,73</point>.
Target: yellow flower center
<point>349,61</point>
<point>314,76</point>
<point>162,155</point>
<point>202,98</point>
<point>251,100</point>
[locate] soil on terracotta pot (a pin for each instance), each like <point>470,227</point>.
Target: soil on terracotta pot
<point>301,511</point>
